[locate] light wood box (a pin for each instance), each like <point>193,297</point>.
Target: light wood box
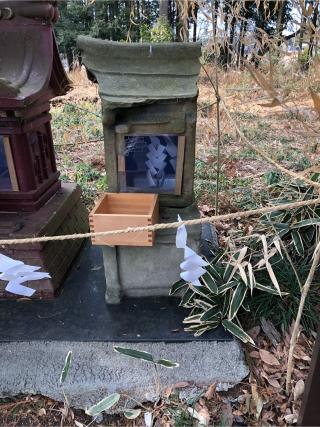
<point>116,211</point>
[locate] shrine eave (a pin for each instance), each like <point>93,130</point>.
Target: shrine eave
<point>30,67</point>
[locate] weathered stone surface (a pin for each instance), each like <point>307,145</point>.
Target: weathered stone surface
<point>97,370</point>
<point>149,271</point>
<point>135,73</point>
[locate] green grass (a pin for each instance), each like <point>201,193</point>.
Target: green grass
<point>71,123</point>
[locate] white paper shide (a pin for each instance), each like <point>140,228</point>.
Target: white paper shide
<point>17,272</point>
<point>193,264</point>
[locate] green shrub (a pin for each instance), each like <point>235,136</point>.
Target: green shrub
<point>161,32</point>
<point>303,58</point>
<point>264,275</point>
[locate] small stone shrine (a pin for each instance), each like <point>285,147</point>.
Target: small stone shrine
<point>33,202</point>
<point>149,103</point>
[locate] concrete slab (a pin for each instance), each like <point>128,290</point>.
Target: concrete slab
<point>97,370</point>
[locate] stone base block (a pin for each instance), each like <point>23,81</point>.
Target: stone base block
<point>97,370</point>
<point>64,213</point>
<point>149,271</point>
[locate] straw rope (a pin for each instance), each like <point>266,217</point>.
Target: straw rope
<point>163,226</point>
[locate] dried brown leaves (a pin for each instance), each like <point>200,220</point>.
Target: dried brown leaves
<point>265,401</point>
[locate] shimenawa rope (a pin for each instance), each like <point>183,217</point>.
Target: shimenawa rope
<point>163,226</point>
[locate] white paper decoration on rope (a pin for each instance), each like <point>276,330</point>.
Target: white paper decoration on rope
<point>193,264</point>
<point>16,273</point>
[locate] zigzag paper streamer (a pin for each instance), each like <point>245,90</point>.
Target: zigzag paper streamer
<point>193,263</point>
<point>16,273</point>
<point>156,162</point>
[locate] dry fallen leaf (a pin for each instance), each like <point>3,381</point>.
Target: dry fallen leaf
<point>254,332</point>
<point>298,390</point>
<point>42,412</point>
<point>167,391</point>
<point>254,354</point>
<point>273,382</point>
<point>269,358</point>
<point>271,332</point>
<point>210,392</point>
<point>227,415</point>
<point>181,384</point>
<point>256,403</point>
<point>291,418</point>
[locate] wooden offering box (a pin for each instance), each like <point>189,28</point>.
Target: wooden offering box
<point>116,211</point>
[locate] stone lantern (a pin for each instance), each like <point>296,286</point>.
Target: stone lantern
<point>32,200</point>
<point>149,103</point>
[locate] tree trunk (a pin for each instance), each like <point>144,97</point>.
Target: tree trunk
<point>181,22</point>
<point>302,28</point>
<point>163,9</point>
<point>224,49</point>
<point>230,42</point>
<point>280,22</point>
<point>240,43</point>
<point>69,55</point>
<point>314,22</point>
<point>171,14</point>
<point>195,17</point>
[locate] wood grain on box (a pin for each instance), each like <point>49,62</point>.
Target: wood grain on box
<point>115,211</point>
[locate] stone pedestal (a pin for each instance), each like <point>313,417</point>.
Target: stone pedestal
<point>64,213</point>
<point>149,271</point>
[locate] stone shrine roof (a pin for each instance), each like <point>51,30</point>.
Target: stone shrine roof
<point>30,66</point>
<point>134,73</point>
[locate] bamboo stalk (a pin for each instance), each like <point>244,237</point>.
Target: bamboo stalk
<point>304,294</point>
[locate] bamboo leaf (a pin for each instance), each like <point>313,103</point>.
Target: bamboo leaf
<point>136,354</point>
<point>186,298</point>
<point>201,290</point>
<point>103,405</point>
<point>238,257</point>
<point>226,302</point>
<point>237,299</point>
<point>262,82</point>
<point>210,314</point>
<point>214,271</point>
<point>195,318</point>
<point>251,276</point>
<point>209,282</point>
<point>202,331</point>
<point>227,273</point>
<point>273,277</point>
<point>268,289</point>
<point>66,367</point>
<point>203,304</point>
<point>180,284</point>
<point>297,241</point>
<point>243,274</point>
<point>237,331</point>
<point>276,243</point>
<point>167,363</point>
<point>226,286</point>
<point>306,222</point>
<point>132,414</point>
<point>265,246</point>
